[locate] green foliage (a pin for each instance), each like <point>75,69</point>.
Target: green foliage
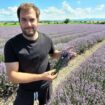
<point>1,58</point>
<point>9,23</point>
<point>66,21</point>
<point>48,22</point>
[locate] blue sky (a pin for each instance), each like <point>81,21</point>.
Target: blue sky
<point>56,9</point>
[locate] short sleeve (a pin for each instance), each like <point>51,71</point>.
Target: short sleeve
<point>9,54</point>
<point>52,49</point>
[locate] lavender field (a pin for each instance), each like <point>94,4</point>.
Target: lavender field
<point>60,34</point>
<point>81,85</point>
<point>85,85</point>
<point>55,30</point>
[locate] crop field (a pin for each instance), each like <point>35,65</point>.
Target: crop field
<point>60,34</point>
<point>85,85</point>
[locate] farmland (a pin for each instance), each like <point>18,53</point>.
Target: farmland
<point>82,37</point>
<point>60,34</point>
<point>85,85</point>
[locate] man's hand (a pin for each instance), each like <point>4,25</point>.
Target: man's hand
<point>65,57</point>
<point>49,75</point>
<point>71,52</point>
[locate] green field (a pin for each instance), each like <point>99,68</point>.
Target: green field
<point>9,23</point>
<point>16,23</point>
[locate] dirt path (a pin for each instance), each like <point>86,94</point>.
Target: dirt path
<point>75,63</point>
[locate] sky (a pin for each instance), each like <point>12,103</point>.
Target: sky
<point>56,9</point>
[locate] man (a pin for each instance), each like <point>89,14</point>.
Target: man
<point>26,58</point>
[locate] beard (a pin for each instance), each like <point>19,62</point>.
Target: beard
<point>29,31</point>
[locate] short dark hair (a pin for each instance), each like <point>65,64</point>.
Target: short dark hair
<point>27,6</point>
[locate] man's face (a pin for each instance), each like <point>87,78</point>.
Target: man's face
<point>28,22</point>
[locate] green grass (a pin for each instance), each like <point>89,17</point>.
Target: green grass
<point>9,23</point>
<point>1,58</point>
<point>42,23</point>
<point>13,23</point>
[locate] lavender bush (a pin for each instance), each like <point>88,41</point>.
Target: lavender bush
<point>83,43</point>
<point>85,85</point>
<point>6,87</point>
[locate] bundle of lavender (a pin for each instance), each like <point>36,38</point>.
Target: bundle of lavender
<point>66,56</point>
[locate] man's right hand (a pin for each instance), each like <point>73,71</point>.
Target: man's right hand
<point>49,75</point>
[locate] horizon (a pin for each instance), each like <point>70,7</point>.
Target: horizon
<point>84,19</point>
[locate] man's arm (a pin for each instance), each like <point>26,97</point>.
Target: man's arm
<point>56,54</point>
<point>20,77</point>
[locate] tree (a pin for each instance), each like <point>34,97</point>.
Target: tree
<point>66,21</point>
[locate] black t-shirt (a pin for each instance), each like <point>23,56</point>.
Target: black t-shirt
<point>31,55</point>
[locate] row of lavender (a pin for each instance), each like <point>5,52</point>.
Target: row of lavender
<point>85,85</point>
<point>6,88</point>
<point>61,33</point>
<point>54,30</point>
<point>69,37</point>
<point>81,44</point>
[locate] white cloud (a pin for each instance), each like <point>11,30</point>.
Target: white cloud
<point>100,7</point>
<point>8,13</point>
<point>66,7</point>
<point>55,13</point>
<point>67,11</point>
<point>53,10</point>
